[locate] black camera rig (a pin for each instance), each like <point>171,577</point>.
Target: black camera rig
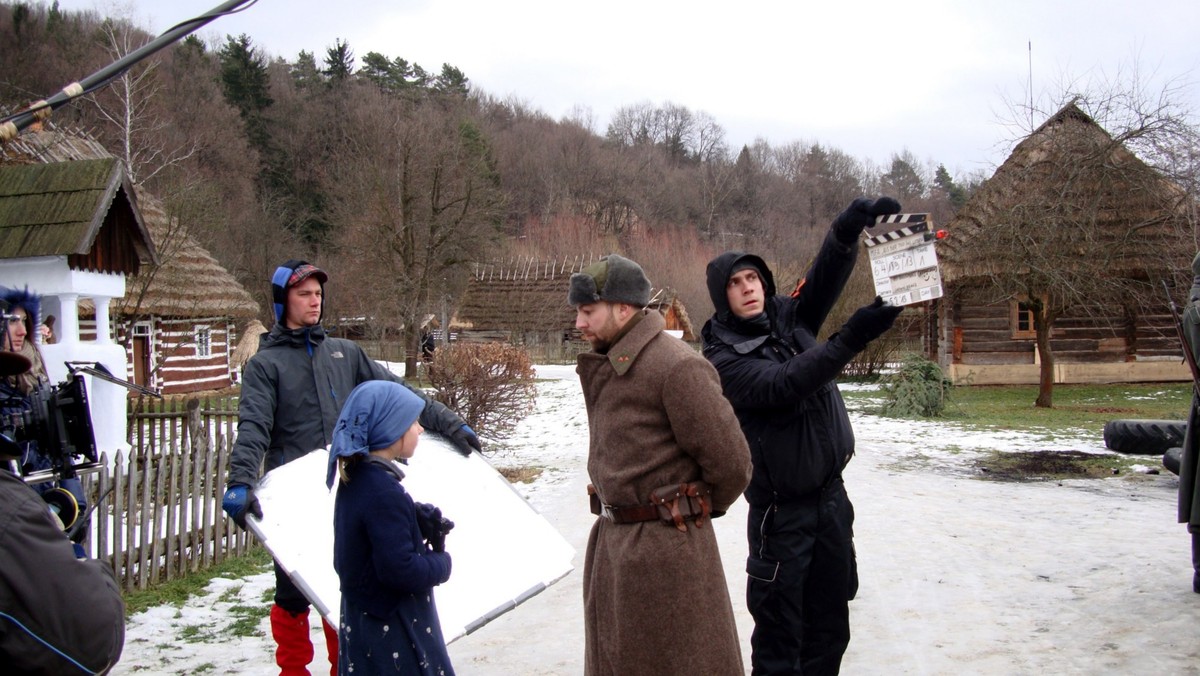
<point>58,420</point>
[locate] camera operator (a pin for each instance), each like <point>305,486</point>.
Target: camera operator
<point>20,309</point>
<point>58,614</point>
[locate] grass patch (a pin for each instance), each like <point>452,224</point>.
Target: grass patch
<point>247,619</point>
<point>1010,407</point>
<point>1051,465</point>
<point>521,475</point>
<point>177,591</point>
<point>194,633</point>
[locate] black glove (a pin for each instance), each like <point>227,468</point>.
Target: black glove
<point>868,323</point>
<point>433,525</point>
<point>464,440</point>
<point>861,215</point>
<point>239,500</point>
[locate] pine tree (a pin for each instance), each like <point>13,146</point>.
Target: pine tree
<point>246,85</point>
<point>339,62</point>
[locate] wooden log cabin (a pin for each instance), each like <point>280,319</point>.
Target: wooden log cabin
<point>524,301</point>
<point>1123,223</point>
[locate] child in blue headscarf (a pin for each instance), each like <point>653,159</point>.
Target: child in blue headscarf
<point>387,549</point>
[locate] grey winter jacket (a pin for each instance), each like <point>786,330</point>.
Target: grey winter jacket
<point>292,392</point>
<point>60,615</point>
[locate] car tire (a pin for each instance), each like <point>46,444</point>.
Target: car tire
<point>1172,459</point>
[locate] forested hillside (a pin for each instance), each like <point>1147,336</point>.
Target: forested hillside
<point>397,177</point>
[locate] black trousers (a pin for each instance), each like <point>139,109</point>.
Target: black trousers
<point>802,575</point>
<point>1196,562</point>
<point>287,595</point>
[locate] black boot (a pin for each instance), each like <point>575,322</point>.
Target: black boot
<point>1196,562</point>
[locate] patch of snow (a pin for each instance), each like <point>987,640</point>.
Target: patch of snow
<point>958,575</point>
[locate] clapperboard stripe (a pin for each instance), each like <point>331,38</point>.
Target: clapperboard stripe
<point>901,218</point>
<point>916,223</point>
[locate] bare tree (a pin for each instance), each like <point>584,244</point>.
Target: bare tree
<point>129,107</point>
<point>415,191</point>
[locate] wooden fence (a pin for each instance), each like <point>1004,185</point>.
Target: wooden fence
<point>161,516</point>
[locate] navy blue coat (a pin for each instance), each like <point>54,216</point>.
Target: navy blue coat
<point>387,574</point>
<point>781,383</point>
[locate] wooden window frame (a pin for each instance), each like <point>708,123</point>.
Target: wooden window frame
<point>1019,311</point>
<point>203,336</point>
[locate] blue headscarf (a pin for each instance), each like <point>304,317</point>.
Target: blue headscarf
<point>376,414</point>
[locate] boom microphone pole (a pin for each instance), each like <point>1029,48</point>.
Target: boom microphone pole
<point>12,125</point>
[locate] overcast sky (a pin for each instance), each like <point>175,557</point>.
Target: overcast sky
<point>873,78</point>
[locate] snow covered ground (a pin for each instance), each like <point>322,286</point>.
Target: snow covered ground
<point>958,575</point>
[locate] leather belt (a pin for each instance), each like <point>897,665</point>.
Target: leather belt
<point>634,514</point>
<point>670,504</point>
<point>631,514</point>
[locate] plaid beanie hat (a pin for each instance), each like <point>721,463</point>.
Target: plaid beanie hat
<point>615,279</point>
<point>288,275</point>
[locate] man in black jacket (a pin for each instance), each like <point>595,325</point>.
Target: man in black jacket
<point>780,381</point>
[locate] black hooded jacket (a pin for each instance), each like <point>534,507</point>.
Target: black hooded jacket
<point>780,379</point>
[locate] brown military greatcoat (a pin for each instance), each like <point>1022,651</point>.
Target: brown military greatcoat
<point>655,599</point>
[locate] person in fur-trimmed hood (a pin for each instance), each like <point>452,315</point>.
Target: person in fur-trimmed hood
<point>654,591</point>
<point>23,310</point>
<point>780,380</point>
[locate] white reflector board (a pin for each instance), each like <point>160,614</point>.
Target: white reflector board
<point>503,550</point>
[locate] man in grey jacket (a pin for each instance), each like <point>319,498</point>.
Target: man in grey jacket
<point>292,392</point>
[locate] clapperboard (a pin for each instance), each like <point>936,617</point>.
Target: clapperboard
<point>903,261</point>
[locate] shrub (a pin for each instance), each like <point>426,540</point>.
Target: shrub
<point>491,385</point>
<point>917,388</point>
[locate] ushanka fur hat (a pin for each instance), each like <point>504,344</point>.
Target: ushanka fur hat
<point>614,279</point>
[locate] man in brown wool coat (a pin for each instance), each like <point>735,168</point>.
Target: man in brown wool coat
<point>665,455</point>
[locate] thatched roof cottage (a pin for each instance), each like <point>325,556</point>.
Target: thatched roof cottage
<point>1075,226</point>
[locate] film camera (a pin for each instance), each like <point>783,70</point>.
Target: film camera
<point>57,419</point>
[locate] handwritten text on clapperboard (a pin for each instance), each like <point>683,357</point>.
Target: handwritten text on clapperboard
<point>903,261</point>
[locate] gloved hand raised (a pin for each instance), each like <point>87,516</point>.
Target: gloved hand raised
<point>860,215</point>
<point>433,525</point>
<point>239,501</point>
<point>868,323</point>
<point>464,440</point>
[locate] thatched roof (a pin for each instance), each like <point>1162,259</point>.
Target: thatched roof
<point>187,282</point>
<point>73,209</point>
<point>530,296</point>
<point>519,295</point>
<point>247,344</point>
<point>1071,190</point>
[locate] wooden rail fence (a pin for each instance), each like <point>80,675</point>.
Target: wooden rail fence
<point>161,516</point>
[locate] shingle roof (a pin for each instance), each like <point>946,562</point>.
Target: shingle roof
<point>186,282</point>
<point>58,209</point>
